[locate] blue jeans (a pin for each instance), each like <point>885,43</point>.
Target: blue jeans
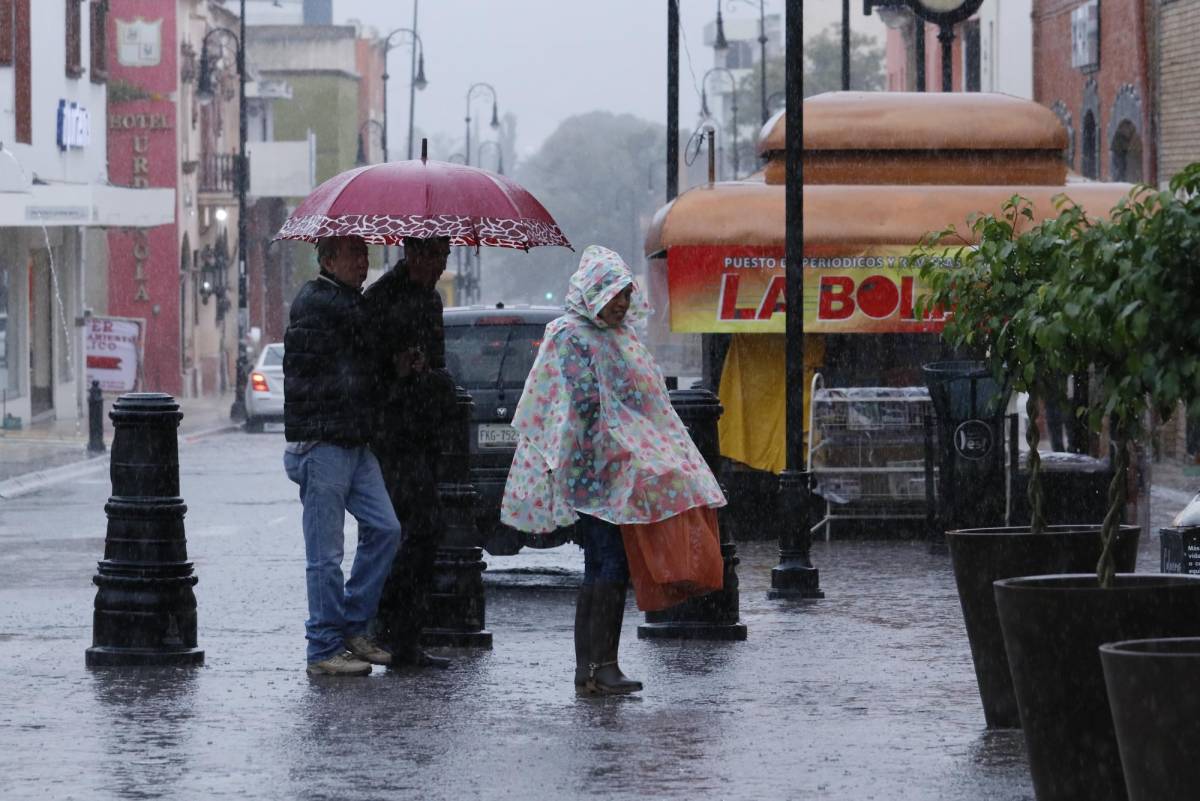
<point>334,480</point>
<point>603,551</point>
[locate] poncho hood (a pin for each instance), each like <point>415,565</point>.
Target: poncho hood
<point>597,431</point>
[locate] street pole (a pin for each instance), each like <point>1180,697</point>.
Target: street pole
<point>672,99</point>
<point>794,576</point>
<point>412,82</point>
<point>412,92</point>
<point>946,37</point>
<point>470,283</point>
<point>238,410</point>
<point>762,56</point>
<point>845,45</point>
<point>919,27</point>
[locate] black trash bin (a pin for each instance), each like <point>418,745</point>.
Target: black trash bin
<point>968,404</point>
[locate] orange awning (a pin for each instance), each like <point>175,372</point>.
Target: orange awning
<point>747,213</point>
<point>970,138</point>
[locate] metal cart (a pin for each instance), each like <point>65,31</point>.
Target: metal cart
<point>866,452</point>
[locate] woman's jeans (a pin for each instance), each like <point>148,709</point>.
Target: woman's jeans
<point>603,551</point>
<point>334,480</point>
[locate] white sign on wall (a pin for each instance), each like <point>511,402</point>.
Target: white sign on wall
<point>139,43</point>
<point>74,125</point>
<point>114,350</point>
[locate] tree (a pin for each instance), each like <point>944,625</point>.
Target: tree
<point>600,176</point>
<point>823,62</point>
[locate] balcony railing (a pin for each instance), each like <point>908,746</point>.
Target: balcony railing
<point>219,172</point>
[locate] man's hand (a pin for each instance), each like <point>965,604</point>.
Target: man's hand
<point>409,361</point>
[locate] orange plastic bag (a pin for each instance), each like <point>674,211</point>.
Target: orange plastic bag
<point>674,559</point>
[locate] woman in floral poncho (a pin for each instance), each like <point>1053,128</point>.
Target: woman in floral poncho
<point>600,446</point>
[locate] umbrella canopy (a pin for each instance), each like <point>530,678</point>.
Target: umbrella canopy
<point>383,203</point>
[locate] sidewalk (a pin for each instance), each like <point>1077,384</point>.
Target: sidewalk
<point>40,454</point>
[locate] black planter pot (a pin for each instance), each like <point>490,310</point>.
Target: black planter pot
<point>981,556</point>
<point>1053,629</point>
<point>1155,706</point>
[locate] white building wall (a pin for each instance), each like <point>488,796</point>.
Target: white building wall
<point>58,295</point>
<point>1006,47</point>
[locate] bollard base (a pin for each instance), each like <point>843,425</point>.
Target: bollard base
<point>795,582</point>
<point>727,632</point>
<point>100,656</point>
<point>448,638</point>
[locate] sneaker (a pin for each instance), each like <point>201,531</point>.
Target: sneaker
<point>344,664</point>
<point>368,650</point>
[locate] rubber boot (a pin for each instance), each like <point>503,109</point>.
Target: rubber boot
<point>583,619</point>
<point>608,610</point>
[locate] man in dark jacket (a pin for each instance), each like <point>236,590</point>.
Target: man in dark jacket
<point>329,368</point>
<point>417,396</point>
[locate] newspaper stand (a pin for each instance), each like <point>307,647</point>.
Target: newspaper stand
<point>866,452</point>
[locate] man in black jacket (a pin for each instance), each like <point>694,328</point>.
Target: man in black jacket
<point>417,396</point>
<point>329,368</point>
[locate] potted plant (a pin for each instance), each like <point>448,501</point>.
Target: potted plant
<point>1124,297</point>
<point>997,290</point>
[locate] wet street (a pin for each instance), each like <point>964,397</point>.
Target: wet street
<point>868,694</point>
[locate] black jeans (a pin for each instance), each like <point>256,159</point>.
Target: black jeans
<point>411,480</point>
<point>603,551</point>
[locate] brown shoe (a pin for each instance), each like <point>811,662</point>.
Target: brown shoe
<point>343,664</point>
<point>368,650</point>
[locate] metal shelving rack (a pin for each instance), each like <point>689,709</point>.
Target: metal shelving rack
<point>866,451</point>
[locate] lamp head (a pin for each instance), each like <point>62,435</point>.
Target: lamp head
<point>720,43</point>
<point>204,84</point>
<point>495,123</point>
<point>420,81</point>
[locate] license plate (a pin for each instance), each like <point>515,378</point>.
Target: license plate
<point>273,427</point>
<point>497,435</point>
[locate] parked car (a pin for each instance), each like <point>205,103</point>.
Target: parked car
<point>490,351</point>
<point>264,391</point>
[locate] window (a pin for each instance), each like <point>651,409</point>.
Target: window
<point>1091,163</point>
<point>7,365</point>
<point>6,32</point>
<point>22,78</point>
<point>98,40</point>
<point>492,355</point>
<point>74,39</point>
<point>972,55</point>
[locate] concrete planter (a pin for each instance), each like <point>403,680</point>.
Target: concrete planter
<point>1053,628</point>
<point>982,556</point>
<point>1156,712</point>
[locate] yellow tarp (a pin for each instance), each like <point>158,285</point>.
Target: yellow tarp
<point>754,393</point>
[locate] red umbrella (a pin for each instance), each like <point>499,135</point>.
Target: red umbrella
<point>383,203</point>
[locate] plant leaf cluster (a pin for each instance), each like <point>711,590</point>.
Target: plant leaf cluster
<point>1119,297</point>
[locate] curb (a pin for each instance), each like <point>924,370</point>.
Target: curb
<point>40,479</point>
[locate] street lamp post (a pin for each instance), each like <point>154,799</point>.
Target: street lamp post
<point>360,158</point>
<point>416,81</point>
<point>721,43</point>
<point>204,90</point>
<point>499,154</point>
<point>943,13</point>
<point>704,112</point>
<point>795,576</point>
<point>467,287</point>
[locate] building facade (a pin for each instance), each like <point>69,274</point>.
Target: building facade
<point>55,202</point>
<point>1091,69</point>
<point>992,51</point>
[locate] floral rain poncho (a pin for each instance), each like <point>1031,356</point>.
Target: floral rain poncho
<point>597,431</point>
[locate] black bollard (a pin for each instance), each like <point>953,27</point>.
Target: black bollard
<point>714,616</point>
<point>95,419</point>
<point>456,602</point>
<point>145,610</point>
